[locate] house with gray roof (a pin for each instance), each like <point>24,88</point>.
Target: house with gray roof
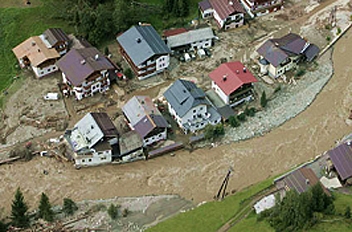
<point>189,106</point>
<point>280,55</point>
<point>192,39</point>
<point>86,71</point>
<point>145,119</point>
<point>92,140</point>
<point>56,38</point>
<point>130,147</point>
<point>144,50</point>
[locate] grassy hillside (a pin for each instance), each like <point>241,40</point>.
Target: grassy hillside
<point>16,25</point>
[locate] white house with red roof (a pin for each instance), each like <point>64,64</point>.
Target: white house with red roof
<point>233,82</point>
<point>227,13</point>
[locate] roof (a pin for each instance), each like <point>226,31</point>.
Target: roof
<point>129,142</point>
<point>79,64</point>
<point>266,202</point>
<point>141,43</point>
<point>105,124</point>
<point>143,115</point>
<point>190,37</point>
<point>226,112</point>
<point>301,179</point>
<point>35,50</point>
<point>341,157</point>
<point>278,50</point>
<point>224,8</point>
<point>204,5</point>
<point>183,95</point>
<point>55,35</point>
<point>172,32</point>
<point>231,75</point>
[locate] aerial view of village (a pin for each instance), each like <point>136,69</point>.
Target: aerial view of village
<point>175,115</point>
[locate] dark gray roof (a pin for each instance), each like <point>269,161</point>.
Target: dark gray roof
<point>226,112</point>
<point>341,157</point>
<point>105,124</point>
<point>130,142</point>
<point>184,95</point>
<point>311,52</point>
<point>79,64</point>
<point>141,43</point>
<point>301,179</point>
<point>148,123</point>
<point>204,5</point>
<point>272,53</point>
<point>55,35</point>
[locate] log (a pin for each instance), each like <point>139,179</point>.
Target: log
<point>5,161</point>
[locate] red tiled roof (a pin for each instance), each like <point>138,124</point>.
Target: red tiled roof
<point>172,32</point>
<point>224,8</point>
<point>235,76</point>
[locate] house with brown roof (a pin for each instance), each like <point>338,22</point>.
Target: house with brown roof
<point>145,119</point>
<point>280,55</point>
<point>226,13</point>
<point>233,83</point>
<point>34,54</point>
<point>92,140</point>
<point>56,38</point>
<point>257,8</point>
<point>86,71</point>
<point>299,180</point>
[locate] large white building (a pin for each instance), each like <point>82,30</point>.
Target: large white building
<point>189,106</point>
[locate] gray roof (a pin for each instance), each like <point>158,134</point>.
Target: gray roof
<point>190,37</point>
<point>341,157</point>
<point>79,64</point>
<point>55,35</point>
<point>130,142</point>
<point>142,43</point>
<point>204,5</point>
<point>184,95</point>
<point>143,115</point>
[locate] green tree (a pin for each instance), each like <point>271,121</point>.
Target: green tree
<point>19,217</point>
<point>234,121</point>
<point>106,51</point>
<point>3,226</point>
<point>348,212</point>
<point>184,8</point>
<point>45,210</point>
<point>69,206</point>
<point>129,73</point>
<point>219,130</point>
<point>113,211</point>
<point>209,132</point>
<point>241,117</point>
<point>263,100</point>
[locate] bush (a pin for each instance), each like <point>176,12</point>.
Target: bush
<point>300,72</point>
<point>328,38</point>
<point>106,51</point>
<point>125,212</point>
<point>128,73</point>
<point>277,89</point>
<point>212,132</point>
<point>338,30</point>
<point>112,211</point>
<point>234,121</point>
<point>241,117</point>
<point>69,206</point>
<point>348,212</point>
<point>263,100</point>
<point>252,112</point>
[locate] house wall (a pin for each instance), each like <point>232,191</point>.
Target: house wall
<point>220,93</point>
<point>96,158</point>
<point>155,138</point>
<point>239,17</point>
<point>207,13</point>
<point>217,18</point>
<point>136,155</point>
<point>162,62</point>
<point>88,88</point>
<point>61,47</point>
<point>46,70</point>
<point>280,70</point>
<point>255,10</point>
<point>201,44</point>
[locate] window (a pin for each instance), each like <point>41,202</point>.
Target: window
<point>202,124</point>
<point>49,69</point>
<point>194,116</point>
<point>147,140</point>
<point>160,135</point>
<point>103,158</point>
<point>41,73</point>
<point>83,161</point>
<point>201,108</point>
<point>194,111</point>
<point>90,160</point>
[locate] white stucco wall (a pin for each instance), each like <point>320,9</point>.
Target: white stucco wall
<point>96,159</point>
<point>44,71</point>
<point>207,13</point>
<point>162,62</point>
<point>149,140</point>
<point>220,93</point>
<point>201,44</point>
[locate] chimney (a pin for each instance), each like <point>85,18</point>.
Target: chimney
<point>38,50</point>
<point>33,43</point>
<point>244,69</point>
<point>307,181</point>
<point>138,40</point>
<point>230,2</point>
<point>83,62</point>
<point>96,57</point>
<point>224,78</point>
<point>237,71</point>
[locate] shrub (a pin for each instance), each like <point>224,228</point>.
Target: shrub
<point>125,212</point>
<point>300,72</point>
<point>241,117</point>
<point>252,111</point>
<point>234,121</point>
<point>347,212</point>
<point>69,206</point>
<point>277,89</point>
<point>106,51</point>
<point>212,132</point>
<point>128,73</point>
<point>112,211</point>
<point>338,30</point>
<point>263,100</point>
<point>328,38</point>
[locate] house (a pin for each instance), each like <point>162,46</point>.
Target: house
<point>257,8</point>
<point>92,140</point>
<point>189,106</point>
<point>86,71</point>
<point>56,38</point>
<point>130,147</point>
<point>278,56</point>
<point>341,158</point>
<point>144,51</point>
<point>299,180</point>
<point>145,119</point>
<point>191,40</point>
<point>233,83</point>
<point>34,54</point>
<point>226,13</point>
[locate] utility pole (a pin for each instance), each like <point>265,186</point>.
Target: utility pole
<point>223,186</point>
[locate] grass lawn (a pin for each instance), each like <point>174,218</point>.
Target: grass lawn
<point>16,25</point>
<point>210,216</point>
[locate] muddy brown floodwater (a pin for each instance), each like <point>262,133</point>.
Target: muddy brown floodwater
<point>198,175</point>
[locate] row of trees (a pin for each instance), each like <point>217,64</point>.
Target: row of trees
<point>300,211</point>
<point>19,210</point>
<point>101,20</point>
